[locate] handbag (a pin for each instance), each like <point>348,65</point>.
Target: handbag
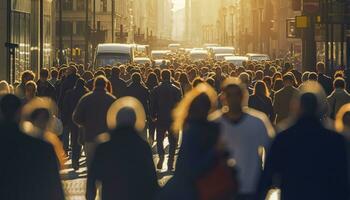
<point>219,183</point>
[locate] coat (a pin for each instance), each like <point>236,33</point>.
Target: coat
<point>326,82</point>
<point>336,100</point>
<point>141,93</point>
<point>30,167</point>
<point>164,98</point>
<point>118,86</point>
<point>71,99</point>
<point>282,102</point>
<point>306,161</point>
<point>91,112</point>
<point>65,85</point>
<point>45,89</point>
<point>262,104</point>
<point>124,165</point>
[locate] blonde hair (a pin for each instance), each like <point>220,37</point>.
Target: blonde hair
<point>339,124</point>
<point>180,113</point>
<point>4,88</point>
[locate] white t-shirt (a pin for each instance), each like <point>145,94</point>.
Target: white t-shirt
<point>242,140</point>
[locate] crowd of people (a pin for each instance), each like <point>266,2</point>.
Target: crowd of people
<point>245,130</point>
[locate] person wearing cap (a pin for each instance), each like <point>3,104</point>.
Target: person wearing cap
<point>306,160</point>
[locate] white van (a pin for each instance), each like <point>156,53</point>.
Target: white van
<point>142,60</point>
<point>174,47</point>
<point>160,54</point>
<point>222,50</point>
<point>111,54</point>
<point>258,57</point>
<point>221,56</point>
<point>198,55</point>
<point>236,60</point>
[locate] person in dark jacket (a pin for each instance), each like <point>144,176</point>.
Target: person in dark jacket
<point>151,83</point>
<point>138,90</point>
<point>30,167</point>
<point>71,100</point>
<point>25,77</point>
<point>67,83</point>
<point>44,87</point>
<point>261,101</point>
<point>118,84</point>
<point>323,79</point>
<point>163,100</point>
<point>283,98</point>
<point>90,114</point>
<point>307,161</point>
<point>123,164</point>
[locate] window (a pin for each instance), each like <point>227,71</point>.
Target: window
<point>67,28</point>
<point>67,4</point>
<point>103,6</point>
<point>80,28</point>
<point>80,5</point>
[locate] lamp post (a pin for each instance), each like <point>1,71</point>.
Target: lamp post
<point>224,12</point>
<point>232,12</point>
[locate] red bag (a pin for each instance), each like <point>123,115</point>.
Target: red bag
<point>220,183</point>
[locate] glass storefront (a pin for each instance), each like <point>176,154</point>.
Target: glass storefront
<point>25,33</point>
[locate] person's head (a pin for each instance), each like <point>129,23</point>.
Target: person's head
<point>245,78</point>
<point>136,77</point>
<point>72,69</point>
<point>260,89</point>
<point>44,74</point>
<point>183,79</point>
<point>27,76</point>
<point>342,120</point>
<point>152,80</point>
<point>4,88</point>
<point>310,101</point>
<point>54,74</point>
<point>115,72</point>
<point>313,76</point>
<point>126,112</point>
<point>40,118</point>
<point>288,80</point>
<point>197,81</point>
<point>10,108</point>
<point>268,81</point>
<point>87,76</point>
<point>166,75</point>
<point>195,106</point>
<point>339,74</point>
<point>321,68</point>
<point>30,89</point>
<point>305,76</point>
<point>99,73</point>
<point>339,83</point>
<point>211,82</point>
<point>100,83</point>
<point>234,94</point>
<point>259,75</point>
<point>278,84</point>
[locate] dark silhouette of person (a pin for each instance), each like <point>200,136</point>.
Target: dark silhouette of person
<point>306,160</point>
<point>118,84</point>
<point>71,99</point>
<point>29,168</point>
<point>123,164</point>
<point>44,87</point>
<point>163,100</point>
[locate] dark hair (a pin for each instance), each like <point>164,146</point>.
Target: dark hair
<point>339,83</point>
<point>115,72</point>
<point>136,77</point>
<point>10,105</point>
<point>28,75</point>
<point>166,75</point>
<point>54,73</point>
<point>260,89</point>
<point>152,80</point>
<point>278,84</point>
<point>313,76</point>
<point>44,73</point>
<point>197,81</point>
<point>100,82</point>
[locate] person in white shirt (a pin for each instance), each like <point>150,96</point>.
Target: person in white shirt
<point>244,132</point>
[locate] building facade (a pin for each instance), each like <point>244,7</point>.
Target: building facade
<point>21,26</point>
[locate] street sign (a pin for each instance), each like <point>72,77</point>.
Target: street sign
<point>302,22</point>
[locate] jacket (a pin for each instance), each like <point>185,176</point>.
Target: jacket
<point>282,101</point>
<point>336,100</point>
<point>91,112</point>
